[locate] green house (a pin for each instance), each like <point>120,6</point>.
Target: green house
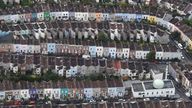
<point>64,93</point>
<point>47,16</point>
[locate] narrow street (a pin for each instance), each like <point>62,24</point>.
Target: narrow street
<point>187,58</point>
<point>179,90</point>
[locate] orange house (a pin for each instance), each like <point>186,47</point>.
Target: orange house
<point>117,65</point>
<point>98,16</point>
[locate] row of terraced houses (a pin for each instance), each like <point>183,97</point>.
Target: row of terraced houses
<point>61,90</point>
<point>61,12</point>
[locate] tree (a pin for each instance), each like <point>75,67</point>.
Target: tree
<point>103,37</point>
<point>50,76</point>
<point>49,1</point>
<point>188,22</point>
<point>151,56</point>
<point>2,4</point>
<point>176,36</point>
<point>26,2</point>
<point>87,1</point>
<point>175,13</point>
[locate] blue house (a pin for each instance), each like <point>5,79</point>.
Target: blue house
<point>125,17</point>
<point>3,33</point>
<point>51,47</point>
<point>92,51</point>
<point>118,16</point>
<point>64,93</point>
<point>33,16</point>
<point>138,17</point>
<point>33,92</point>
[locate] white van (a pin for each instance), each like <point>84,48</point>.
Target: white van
<point>180,46</point>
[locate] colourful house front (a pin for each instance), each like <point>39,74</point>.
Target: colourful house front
<point>93,51</point>
<point>64,93</point>
<point>98,16</point>
<point>47,15</point>
<point>138,17</point>
<point>34,16</point>
<point>152,19</point>
<point>51,47</point>
<point>125,17</point>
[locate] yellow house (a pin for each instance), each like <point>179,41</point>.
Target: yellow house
<point>152,19</point>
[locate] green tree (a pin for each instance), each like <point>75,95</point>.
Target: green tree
<point>49,1</point>
<point>2,4</point>
<point>151,56</point>
<point>188,22</point>
<point>103,37</point>
<point>26,2</point>
<point>176,36</point>
<point>50,76</point>
<point>87,1</point>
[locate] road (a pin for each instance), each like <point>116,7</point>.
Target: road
<point>187,58</point>
<point>180,91</point>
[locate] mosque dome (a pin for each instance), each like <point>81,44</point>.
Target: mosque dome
<point>158,84</point>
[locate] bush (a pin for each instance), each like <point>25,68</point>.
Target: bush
<point>103,37</point>
<point>26,2</point>
<point>188,22</point>
<point>151,56</point>
<point>2,4</point>
<point>176,36</point>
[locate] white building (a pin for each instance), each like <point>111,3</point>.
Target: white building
<point>56,93</point>
<point>81,16</point>
<point>156,88</point>
<point>40,16</point>
<point>158,71</point>
<point>88,91</point>
<point>16,94</point>
<point>24,93</point>
<point>99,51</point>
<point>138,51</point>
<point>48,92</point>
<point>158,52</point>
<point>59,70</point>
<point>171,52</point>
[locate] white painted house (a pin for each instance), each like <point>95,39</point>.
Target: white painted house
<point>48,92</point>
<point>158,71</point>
<point>40,16</point>
<point>56,92</point>
<point>24,93</point>
<point>99,51</point>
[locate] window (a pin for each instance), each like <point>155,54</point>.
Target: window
<point>152,93</point>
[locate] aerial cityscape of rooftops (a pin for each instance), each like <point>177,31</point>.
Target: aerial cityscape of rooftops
<point>96,53</point>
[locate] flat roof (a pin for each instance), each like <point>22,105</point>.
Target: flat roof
<point>149,84</point>
<point>137,87</point>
